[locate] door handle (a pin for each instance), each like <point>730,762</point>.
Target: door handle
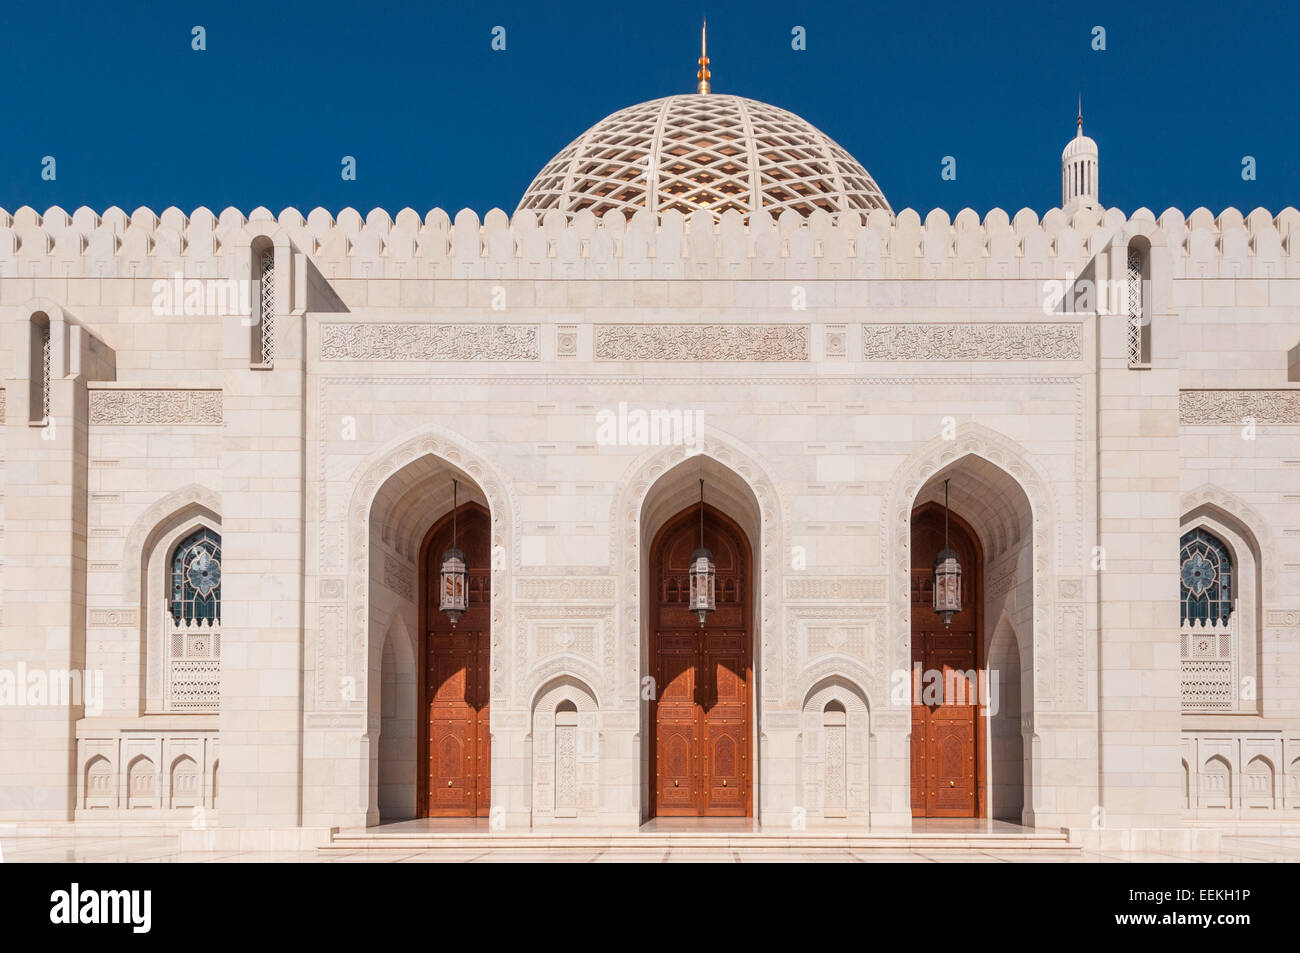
<point>724,782</point>
<point>952,784</point>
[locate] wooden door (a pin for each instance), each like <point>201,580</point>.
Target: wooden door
<point>947,719</point>
<point>700,717</point>
<point>456,685</point>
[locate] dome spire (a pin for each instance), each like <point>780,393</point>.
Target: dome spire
<point>703,74</point>
<point>1079,130</point>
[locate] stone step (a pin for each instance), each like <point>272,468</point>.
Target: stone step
<point>418,840</point>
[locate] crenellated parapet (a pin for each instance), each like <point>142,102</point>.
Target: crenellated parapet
<point>877,245</point>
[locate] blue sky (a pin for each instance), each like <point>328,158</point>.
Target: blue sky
<point>434,117</point>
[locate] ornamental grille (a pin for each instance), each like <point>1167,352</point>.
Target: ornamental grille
<point>266,308</point>
<point>703,152</point>
<point>1133,290</point>
<point>45,373</point>
<point>195,685</point>
<point>1208,635</point>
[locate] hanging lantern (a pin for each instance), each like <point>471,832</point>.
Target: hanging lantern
<point>947,573</point>
<point>703,574</point>
<point>455,593</point>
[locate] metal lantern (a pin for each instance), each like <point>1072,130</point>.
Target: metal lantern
<point>455,593</point>
<point>703,574</point>
<point>947,573</point>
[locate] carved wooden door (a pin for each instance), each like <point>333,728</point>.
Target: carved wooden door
<point>457,679</point>
<point>946,715</point>
<point>699,718</point>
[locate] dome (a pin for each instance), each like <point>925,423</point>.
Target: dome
<point>1080,145</point>
<point>707,151</point>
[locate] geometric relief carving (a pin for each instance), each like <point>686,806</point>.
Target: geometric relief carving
<point>399,577</point>
<point>836,794</point>
<point>113,618</point>
<point>1233,406</point>
<point>1070,589</point>
<point>428,342</point>
<point>1282,618</point>
<point>155,407</point>
<point>849,639</point>
<point>1069,659</point>
<point>331,657</point>
<point>702,342</point>
<point>971,342</point>
<point>564,588</point>
<point>835,588</point>
<point>566,769</point>
<point>845,631</point>
<point>574,631</point>
<point>549,639</point>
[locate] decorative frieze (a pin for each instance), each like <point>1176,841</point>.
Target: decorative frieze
<point>702,342</point>
<point>835,588</point>
<point>971,342</point>
<point>155,406</point>
<point>1235,406</point>
<point>429,342</point>
<point>564,588</point>
<point>1282,618</point>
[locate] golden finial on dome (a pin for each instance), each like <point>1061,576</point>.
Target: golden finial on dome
<point>703,74</point>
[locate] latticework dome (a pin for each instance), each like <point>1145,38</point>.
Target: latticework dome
<point>703,151</point>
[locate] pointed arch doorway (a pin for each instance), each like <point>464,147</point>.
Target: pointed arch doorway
<point>947,719</point>
<point>700,716</point>
<point>454,724</point>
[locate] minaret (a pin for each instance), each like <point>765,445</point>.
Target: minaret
<point>703,74</point>
<point>1079,170</point>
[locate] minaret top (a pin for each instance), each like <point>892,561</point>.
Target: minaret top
<point>1079,162</point>
<point>703,74</point>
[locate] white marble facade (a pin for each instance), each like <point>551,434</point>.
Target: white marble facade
<point>839,366</point>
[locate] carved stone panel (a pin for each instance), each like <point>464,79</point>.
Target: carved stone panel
<point>161,406</point>
<point>701,342</point>
<point>428,342</point>
<point>971,342</point>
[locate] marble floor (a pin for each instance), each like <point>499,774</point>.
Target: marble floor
<point>163,849</point>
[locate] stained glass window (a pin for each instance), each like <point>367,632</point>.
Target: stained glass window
<point>196,578</point>
<point>1205,575</point>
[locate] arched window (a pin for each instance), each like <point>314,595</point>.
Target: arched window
<point>262,320</point>
<point>1139,335</point>
<point>196,578</point>
<point>1205,575</point>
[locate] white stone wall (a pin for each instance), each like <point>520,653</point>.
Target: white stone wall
<point>838,370</point>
